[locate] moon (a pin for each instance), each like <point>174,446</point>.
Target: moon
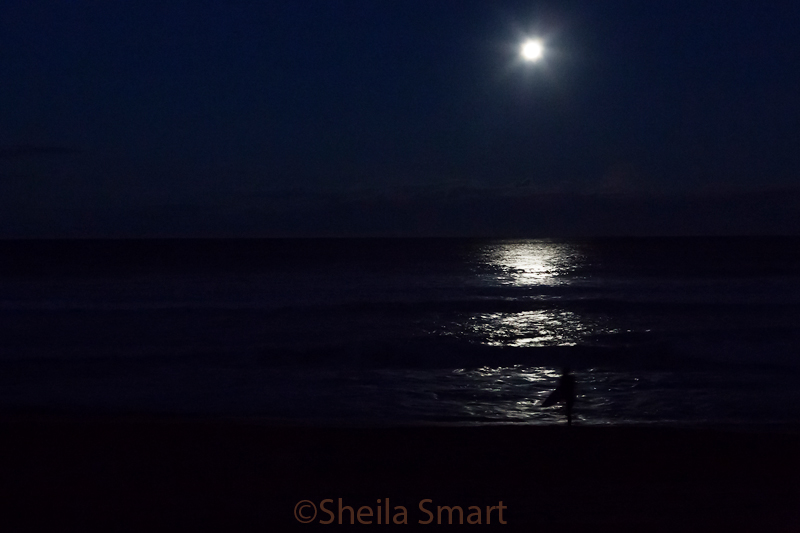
<point>532,50</point>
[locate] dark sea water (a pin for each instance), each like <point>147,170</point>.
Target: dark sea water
<point>686,331</point>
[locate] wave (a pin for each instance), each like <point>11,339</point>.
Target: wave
<point>459,354</point>
<point>454,305</point>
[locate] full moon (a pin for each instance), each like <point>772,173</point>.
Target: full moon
<point>532,50</point>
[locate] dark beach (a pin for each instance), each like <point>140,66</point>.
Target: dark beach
<point>145,474</point>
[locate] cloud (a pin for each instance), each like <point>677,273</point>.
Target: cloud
<point>454,210</point>
<point>35,150</point>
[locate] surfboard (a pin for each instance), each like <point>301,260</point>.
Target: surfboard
<point>554,397</point>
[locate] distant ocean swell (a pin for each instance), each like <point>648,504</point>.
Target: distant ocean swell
<point>479,304</point>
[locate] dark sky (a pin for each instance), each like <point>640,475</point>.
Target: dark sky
<point>408,117</point>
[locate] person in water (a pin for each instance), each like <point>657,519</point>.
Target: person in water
<point>564,392</point>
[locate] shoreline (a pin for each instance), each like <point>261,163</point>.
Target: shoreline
<point>144,472</point>
<point>69,416</point>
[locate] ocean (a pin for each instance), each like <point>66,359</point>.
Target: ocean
<point>665,331</point>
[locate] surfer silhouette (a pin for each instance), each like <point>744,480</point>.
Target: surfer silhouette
<point>564,392</point>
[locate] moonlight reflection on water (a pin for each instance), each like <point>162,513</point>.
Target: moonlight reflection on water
<point>531,275</point>
<point>550,327</point>
<point>531,263</point>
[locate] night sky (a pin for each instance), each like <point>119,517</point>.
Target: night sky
<point>321,118</point>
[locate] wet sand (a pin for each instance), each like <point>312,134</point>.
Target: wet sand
<point>146,474</point>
